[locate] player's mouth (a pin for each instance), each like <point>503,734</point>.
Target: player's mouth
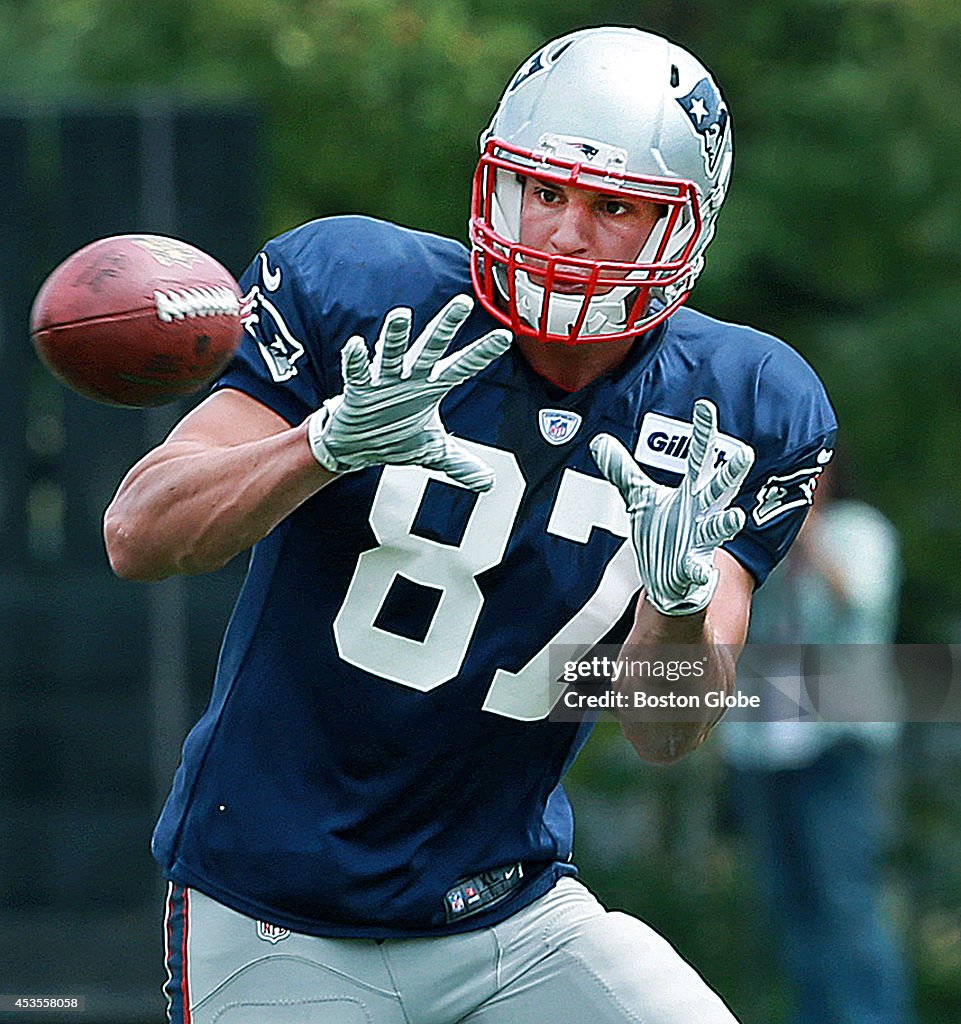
<point>561,283</point>
<point>569,288</point>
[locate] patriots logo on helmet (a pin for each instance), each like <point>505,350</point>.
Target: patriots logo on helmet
<point>535,64</point>
<point>540,61</point>
<point>588,150</point>
<point>709,118</point>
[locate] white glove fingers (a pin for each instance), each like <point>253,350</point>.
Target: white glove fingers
<point>704,421</point>
<point>391,344</point>
<point>432,342</point>
<point>462,466</point>
<point>719,527</point>
<point>467,362</point>
<point>354,362</point>
<point>618,465</point>
<point>724,485</point>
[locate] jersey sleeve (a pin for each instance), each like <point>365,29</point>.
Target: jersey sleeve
<point>795,431</point>
<point>285,360</point>
<point>776,505</point>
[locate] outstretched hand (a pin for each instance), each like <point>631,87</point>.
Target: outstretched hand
<point>389,410</point>
<point>676,531</point>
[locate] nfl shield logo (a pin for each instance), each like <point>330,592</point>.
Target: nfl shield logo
<point>558,425</point>
<point>271,932</point>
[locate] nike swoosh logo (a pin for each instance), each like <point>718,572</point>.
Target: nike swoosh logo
<point>270,277</point>
<point>509,873</point>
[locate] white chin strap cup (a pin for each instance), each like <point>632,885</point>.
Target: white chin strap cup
<point>606,314</point>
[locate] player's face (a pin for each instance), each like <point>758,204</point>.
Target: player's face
<point>565,221</point>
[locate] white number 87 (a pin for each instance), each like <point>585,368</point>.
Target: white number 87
<point>582,503</point>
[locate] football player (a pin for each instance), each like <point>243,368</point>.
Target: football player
<point>368,823</point>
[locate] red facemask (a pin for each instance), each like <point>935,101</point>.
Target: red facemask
<point>613,300</point>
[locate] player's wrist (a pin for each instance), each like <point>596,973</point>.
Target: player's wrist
<point>318,435</point>
<point>692,601</point>
<point>654,627</point>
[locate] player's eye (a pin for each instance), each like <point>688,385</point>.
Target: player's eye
<point>614,207</point>
<point>547,195</point>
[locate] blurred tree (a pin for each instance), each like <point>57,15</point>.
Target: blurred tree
<point>846,234</point>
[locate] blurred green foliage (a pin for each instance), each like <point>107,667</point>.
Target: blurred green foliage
<point>842,233</point>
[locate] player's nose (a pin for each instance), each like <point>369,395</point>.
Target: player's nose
<point>571,230</point>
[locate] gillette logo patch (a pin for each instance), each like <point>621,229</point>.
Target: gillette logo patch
<point>665,442</point>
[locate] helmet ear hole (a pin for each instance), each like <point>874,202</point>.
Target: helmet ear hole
<point>507,197</point>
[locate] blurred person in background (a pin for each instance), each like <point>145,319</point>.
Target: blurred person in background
<point>810,796</point>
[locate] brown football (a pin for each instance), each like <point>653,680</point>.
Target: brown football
<point>137,320</point>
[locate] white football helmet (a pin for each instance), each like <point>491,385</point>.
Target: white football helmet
<point>617,111</point>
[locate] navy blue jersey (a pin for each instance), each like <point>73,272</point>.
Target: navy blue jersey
<point>378,726</point>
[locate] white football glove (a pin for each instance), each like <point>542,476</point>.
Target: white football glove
<point>388,412</point>
<point>676,531</point>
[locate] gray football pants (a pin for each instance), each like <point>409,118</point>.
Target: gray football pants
<point>562,960</point>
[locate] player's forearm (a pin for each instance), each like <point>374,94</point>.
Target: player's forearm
<point>662,742</point>
<point>189,508</point>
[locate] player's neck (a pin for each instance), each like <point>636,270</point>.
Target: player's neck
<point>573,367</point>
